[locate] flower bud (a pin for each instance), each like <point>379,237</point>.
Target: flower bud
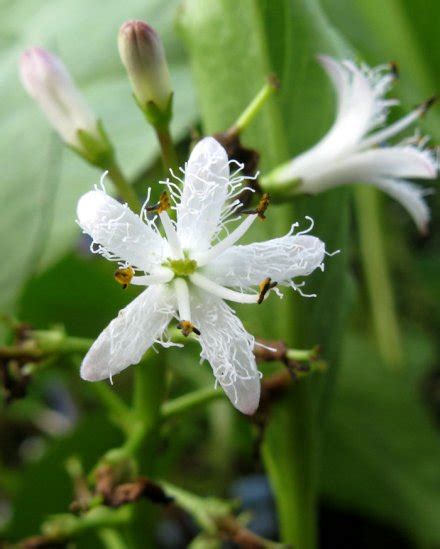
<point>47,80</point>
<point>143,55</point>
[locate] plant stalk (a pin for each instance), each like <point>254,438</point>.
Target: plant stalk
<point>255,106</point>
<point>289,453</point>
<point>168,152</point>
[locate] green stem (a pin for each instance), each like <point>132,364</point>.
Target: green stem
<point>112,539</point>
<point>57,342</point>
<point>255,106</point>
<point>377,276</point>
<point>301,355</point>
<point>290,461</point>
<point>124,189</point>
<point>63,527</point>
<point>169,157</point>
<point>134,440</point>
<point>189,401</point>
<point>149,393</point>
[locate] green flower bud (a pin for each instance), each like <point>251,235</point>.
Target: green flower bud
<point>143,55</point>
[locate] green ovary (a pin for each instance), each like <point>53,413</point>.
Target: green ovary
<point>181,267</point>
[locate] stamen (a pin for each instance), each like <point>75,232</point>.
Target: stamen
<point>162,206</point>
<point>426,105</point>
<point>171,235</point>
<point>394,69</point>
<point>265,286</point>
<point>187,328</point>
<point>164,202</point>
<point>162,276</point>
<point>225,293</point>
<point>227,242</point>
<point>124,276</point>
<point>183,300</point>
<point>261,208</point>
<point>392,130</point>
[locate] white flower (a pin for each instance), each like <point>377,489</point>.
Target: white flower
<point>191,271</point>
<point>47,80</point>
<point>349,152</point>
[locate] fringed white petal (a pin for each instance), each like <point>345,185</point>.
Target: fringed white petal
<point>397,162</point>
<point>281,259</point>
<point>204,193</point>
<point>339,78</point>
<point>361,104</point>
<point>130,334</point>
<point>410,196</point>
<point>369,166</point>
<point>229,349</point>
<point>355,98</point>
<point>118,232</point>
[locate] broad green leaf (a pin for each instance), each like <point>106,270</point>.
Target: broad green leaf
<point>381,448</point>
<point>41,180</point>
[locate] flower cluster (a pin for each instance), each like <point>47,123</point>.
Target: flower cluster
<point>191,270</point>
<point>189,261</point>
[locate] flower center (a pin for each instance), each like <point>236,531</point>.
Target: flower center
<point>181,267</point>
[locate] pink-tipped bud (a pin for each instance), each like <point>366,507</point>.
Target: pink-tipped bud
<point>143,55</point>
<point>47,80</point>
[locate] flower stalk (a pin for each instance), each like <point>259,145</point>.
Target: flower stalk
<point>253,109</point>
<point>168,152</point>
<point>63,527</point>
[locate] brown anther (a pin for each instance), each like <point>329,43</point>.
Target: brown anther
<point>264,287</point>
<point>261,208</point>
<point>123,276</point>
<point>164,202</point>
<point>274,81</point>
<point>394,69</point>
<point>163,205</point>
<point>263,205</point>
<point>426,105</point>
<point>187,328</point>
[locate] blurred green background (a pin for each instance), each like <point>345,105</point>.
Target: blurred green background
<point>380,455</point>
